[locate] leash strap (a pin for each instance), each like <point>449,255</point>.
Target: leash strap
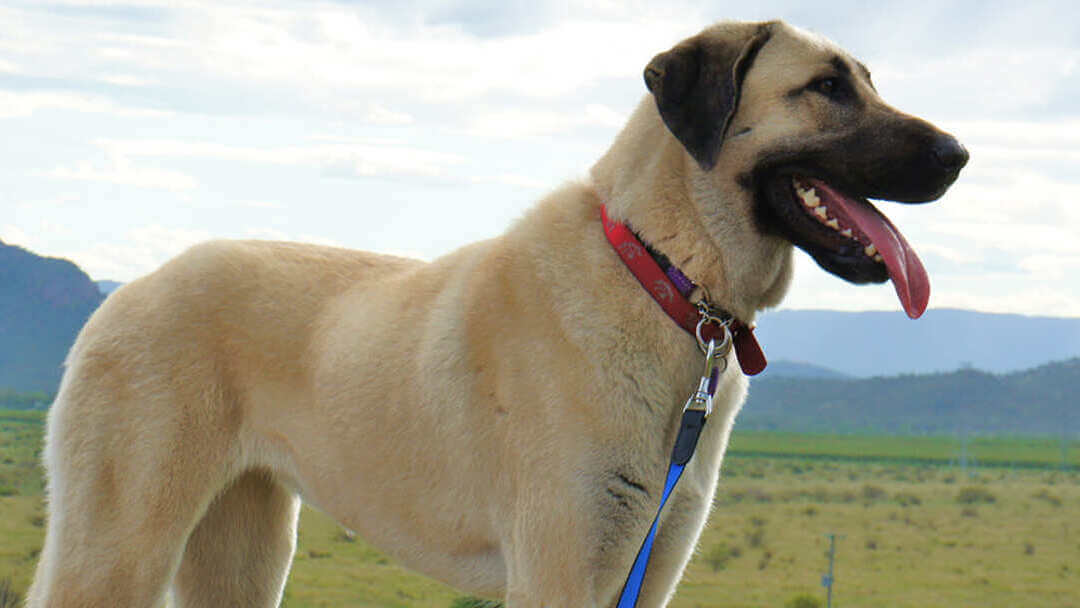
<point>692,423</point>
<point>695,413</point>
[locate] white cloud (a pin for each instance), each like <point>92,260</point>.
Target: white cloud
<point>1053,135</point>
<point>347,158</point>
<point>19,104</point>
<point>516,123</point>
<point>378,114</point>
<point>341,48</point>
<point>121,171</point>
<point>261,204</point>
<point>986,82</point>
<point>127,80</point>
<point>510,179</point>
<point>13,235</point>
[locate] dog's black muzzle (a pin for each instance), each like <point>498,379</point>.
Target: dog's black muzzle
<point>904,159</point>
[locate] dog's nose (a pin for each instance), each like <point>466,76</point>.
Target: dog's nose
<point>949,153</point>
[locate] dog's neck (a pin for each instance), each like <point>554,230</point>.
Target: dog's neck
<point>648,180</point>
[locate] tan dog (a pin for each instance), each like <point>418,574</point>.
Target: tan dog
<point>501,418</point>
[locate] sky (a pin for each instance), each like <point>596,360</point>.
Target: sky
<point>132,130</point>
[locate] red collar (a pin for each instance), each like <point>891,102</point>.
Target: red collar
<point>673,301</point>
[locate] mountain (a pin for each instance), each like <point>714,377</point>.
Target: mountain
<point>799,369</point>
<point>107,287</point>
<point>888,343</point>
<point>43,304</point>
<point>1041,400</point>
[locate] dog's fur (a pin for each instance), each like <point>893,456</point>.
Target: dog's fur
<point>499,419</point>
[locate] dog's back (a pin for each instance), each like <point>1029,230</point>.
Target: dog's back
<point>161,377</point>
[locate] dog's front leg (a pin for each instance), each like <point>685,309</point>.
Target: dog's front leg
<point>549,557</point>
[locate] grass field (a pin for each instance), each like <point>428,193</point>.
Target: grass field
<point>913,531</point>
<point>1009,452</point>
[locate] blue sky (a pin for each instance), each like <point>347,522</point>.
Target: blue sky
<point>131,130</point>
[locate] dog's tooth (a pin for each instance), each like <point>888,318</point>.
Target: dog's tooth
<point>848,233</point>
<point>870,250</point>
<point>835,225</point>
<point>810,198</point>
<point>822,211</point>
<point>878,258</point>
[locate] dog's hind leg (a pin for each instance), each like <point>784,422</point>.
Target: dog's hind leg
<point>131,473</point>
<point>240,552</point>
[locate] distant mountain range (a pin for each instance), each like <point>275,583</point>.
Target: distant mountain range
<point>1041,401</point>
<point>43,304</point>
<point>888,343</point>
<point>798,369</point>
<point>107,287</point>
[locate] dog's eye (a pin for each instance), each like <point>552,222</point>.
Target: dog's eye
<point>827,86</point>
<point>832,87</point>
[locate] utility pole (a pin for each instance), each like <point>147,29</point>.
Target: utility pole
<point>827,580</point>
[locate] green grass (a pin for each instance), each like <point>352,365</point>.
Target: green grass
<point>914,533</point>
<point>1021,452</point>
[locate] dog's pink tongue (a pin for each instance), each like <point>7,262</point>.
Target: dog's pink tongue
<point>906,270</point>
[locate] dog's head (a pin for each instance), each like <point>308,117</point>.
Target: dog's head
<point>789,138</point>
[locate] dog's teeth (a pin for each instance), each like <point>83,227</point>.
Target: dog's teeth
<point>809,197</point>
<point>848,233</point>
<point>835,225</point>
<point>870,250</point>
<point>822,212</point>
<point>878,258</point>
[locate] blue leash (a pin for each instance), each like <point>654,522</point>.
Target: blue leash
<point>695,412</point>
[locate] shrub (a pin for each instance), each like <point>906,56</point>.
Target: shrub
<point>906,499</point>
<point>845,496</point>
<point>472,602</point>
<point>719,555</point>
<point>804,600</point>
<point>871,493</point>
<point>1043,494</point>
<point>764,561</point>
<point>975,495</point>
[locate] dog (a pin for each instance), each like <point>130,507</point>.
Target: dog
<point>500,418</point>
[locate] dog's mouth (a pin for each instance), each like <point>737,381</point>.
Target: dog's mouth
<point>847,236</point>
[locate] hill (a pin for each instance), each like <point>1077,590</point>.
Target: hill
<point>1036,401</point>
<point>798,369</point>
<point>43,304</point>
<point>107,287</point>
<point>888,343</point>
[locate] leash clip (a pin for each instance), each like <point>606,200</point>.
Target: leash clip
<point>715,364</point>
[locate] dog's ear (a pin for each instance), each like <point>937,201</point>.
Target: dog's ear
<point>696,85</point>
